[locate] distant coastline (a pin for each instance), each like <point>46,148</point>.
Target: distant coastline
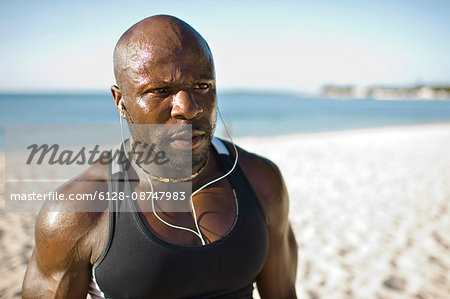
<point>245,113</point>
<point>419,92</point>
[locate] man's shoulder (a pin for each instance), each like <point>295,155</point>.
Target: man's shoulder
<point>266,180</point>
<point>257,166</point>
<point>81,193</point>
<point>68,227</point>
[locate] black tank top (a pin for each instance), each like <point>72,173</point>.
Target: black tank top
<point>137,264</point>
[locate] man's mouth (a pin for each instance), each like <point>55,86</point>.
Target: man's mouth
<point>187,140</point>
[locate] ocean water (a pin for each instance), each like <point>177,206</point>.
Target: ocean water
<point>244,113</point>
<point>271,114</point>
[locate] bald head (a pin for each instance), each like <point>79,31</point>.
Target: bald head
<point>160,38</point>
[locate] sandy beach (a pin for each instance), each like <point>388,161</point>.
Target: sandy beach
<point>370,210</point>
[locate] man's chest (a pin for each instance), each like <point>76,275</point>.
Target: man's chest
<point>216,210</point>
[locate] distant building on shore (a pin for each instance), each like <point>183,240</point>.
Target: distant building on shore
<point>386,93</point>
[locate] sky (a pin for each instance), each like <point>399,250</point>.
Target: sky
<point>292,46</point>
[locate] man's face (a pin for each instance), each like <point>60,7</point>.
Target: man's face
<point>173,85</point>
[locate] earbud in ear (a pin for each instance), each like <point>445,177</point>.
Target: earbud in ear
<point>122,110</point>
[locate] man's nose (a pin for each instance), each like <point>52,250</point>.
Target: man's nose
<point>184,106</point>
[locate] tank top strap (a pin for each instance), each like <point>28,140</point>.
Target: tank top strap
<point>112,208</point>
<point>238,179</point>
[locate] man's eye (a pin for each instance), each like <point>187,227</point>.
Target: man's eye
<point>159,90</point>
<point>201,86</point>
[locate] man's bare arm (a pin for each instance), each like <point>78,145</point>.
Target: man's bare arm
<point>277,278</point>
<point>59,265</point>
<point>67,243</point>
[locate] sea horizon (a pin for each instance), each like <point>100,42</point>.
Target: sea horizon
<point>246,113</point>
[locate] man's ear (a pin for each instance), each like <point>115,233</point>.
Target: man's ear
<point>118,99</point>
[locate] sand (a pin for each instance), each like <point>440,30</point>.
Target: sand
<point>370,210</point>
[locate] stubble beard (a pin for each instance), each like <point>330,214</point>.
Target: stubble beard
<point>180,163</point>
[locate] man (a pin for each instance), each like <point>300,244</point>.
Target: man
<point>165,75</point>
